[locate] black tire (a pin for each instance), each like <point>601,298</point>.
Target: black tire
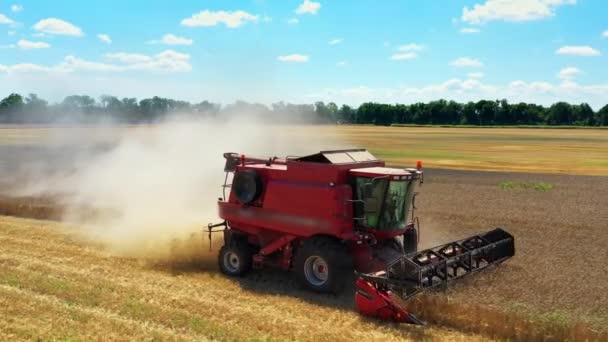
<point>330,259</point>
<point>247,186</point>
<point>410,241</point>
<point>235,259</point>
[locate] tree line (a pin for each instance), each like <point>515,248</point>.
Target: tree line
<point>17,109</point>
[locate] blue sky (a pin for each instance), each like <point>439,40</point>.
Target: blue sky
<point>306,50</point>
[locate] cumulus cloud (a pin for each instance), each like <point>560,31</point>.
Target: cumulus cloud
<point>308,7</point>
<point>464,62</point>
<point>411,47</point>
<point>165,61</point>
<point>403,56</point>
<point>475,75</point>
<point>335,41</point>
<point>469,30</point>
<point>16,8</point>
<point>512,10</point>
<point>58,27</point>
<point>210,18</point>
<point>171,39</point>
<point>293,21</point>
<point>28,45</point>
<point>5,20</point>
<point>568,73</point>
<point>583,51</point>
<point>342,63</point>
<point>128,58</point>
<point>294,58</point>
<point>471,90</point>
<point>605,34</point>
<point>104,38</point>
<point>23,68</point>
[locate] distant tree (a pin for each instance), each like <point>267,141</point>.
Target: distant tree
<point>10,107</point>
<point>584,115</point>
<point>486,112</point>
<point>602,117</point>
<point>36,109</point>
<point>346,114</point>
<point>78,104</point>
<point>559,114</point>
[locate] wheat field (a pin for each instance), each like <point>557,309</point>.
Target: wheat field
<point>52,286</point>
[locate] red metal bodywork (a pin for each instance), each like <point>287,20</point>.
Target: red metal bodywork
<point>374,302</point>
<point>300,200</point>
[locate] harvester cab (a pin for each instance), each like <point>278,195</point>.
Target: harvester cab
<point>384,202</point>
<point>328,214</point>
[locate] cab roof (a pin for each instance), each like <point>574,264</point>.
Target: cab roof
<point>339,157</point>
<point>394,173</point>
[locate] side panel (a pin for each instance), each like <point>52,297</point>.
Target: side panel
<point>300,209</point>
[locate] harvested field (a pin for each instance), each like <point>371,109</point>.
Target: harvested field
<point>55,285</point>
<point>534,292</point>
<point>561,151</point>
<point>580,152</point>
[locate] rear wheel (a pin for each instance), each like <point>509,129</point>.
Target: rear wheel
<point>235,259</point>
<point>323,265</point>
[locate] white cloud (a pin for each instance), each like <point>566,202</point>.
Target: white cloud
<point>165,61</point>
<point>293,21</point>
<point>171,39</point>
<point>309,7</point>
<point>128,58</point>
<point>469,30</point>
<point>411,47</point>
<point>104,38</point>
<point>476,75</point>
<point>16,8</point>
<point>463,62</point>
<point>296,58</point>
<point>583,51</point>
<point>23,68</point>
<point>472,90</point>
<point>58,27</point>
<point>5,20</point>
<point>403,56</point>
<point>27,45</point>
<point>568,73</point>
<point>9,46</point>
<point>605,34</point>
<point>335,41</point>
<point>230,19</point>
<point>342,63</point>
<point>512,10</point>
<point>11,33</point>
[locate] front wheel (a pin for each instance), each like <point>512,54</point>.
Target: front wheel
<point>235,259</point>
<point>323,265</point>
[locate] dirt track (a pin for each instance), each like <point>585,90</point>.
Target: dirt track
<point>554,278</point>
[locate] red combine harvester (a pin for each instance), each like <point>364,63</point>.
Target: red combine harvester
<point>326,215</point>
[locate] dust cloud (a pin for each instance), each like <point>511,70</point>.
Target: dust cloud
<point>156,186</point>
